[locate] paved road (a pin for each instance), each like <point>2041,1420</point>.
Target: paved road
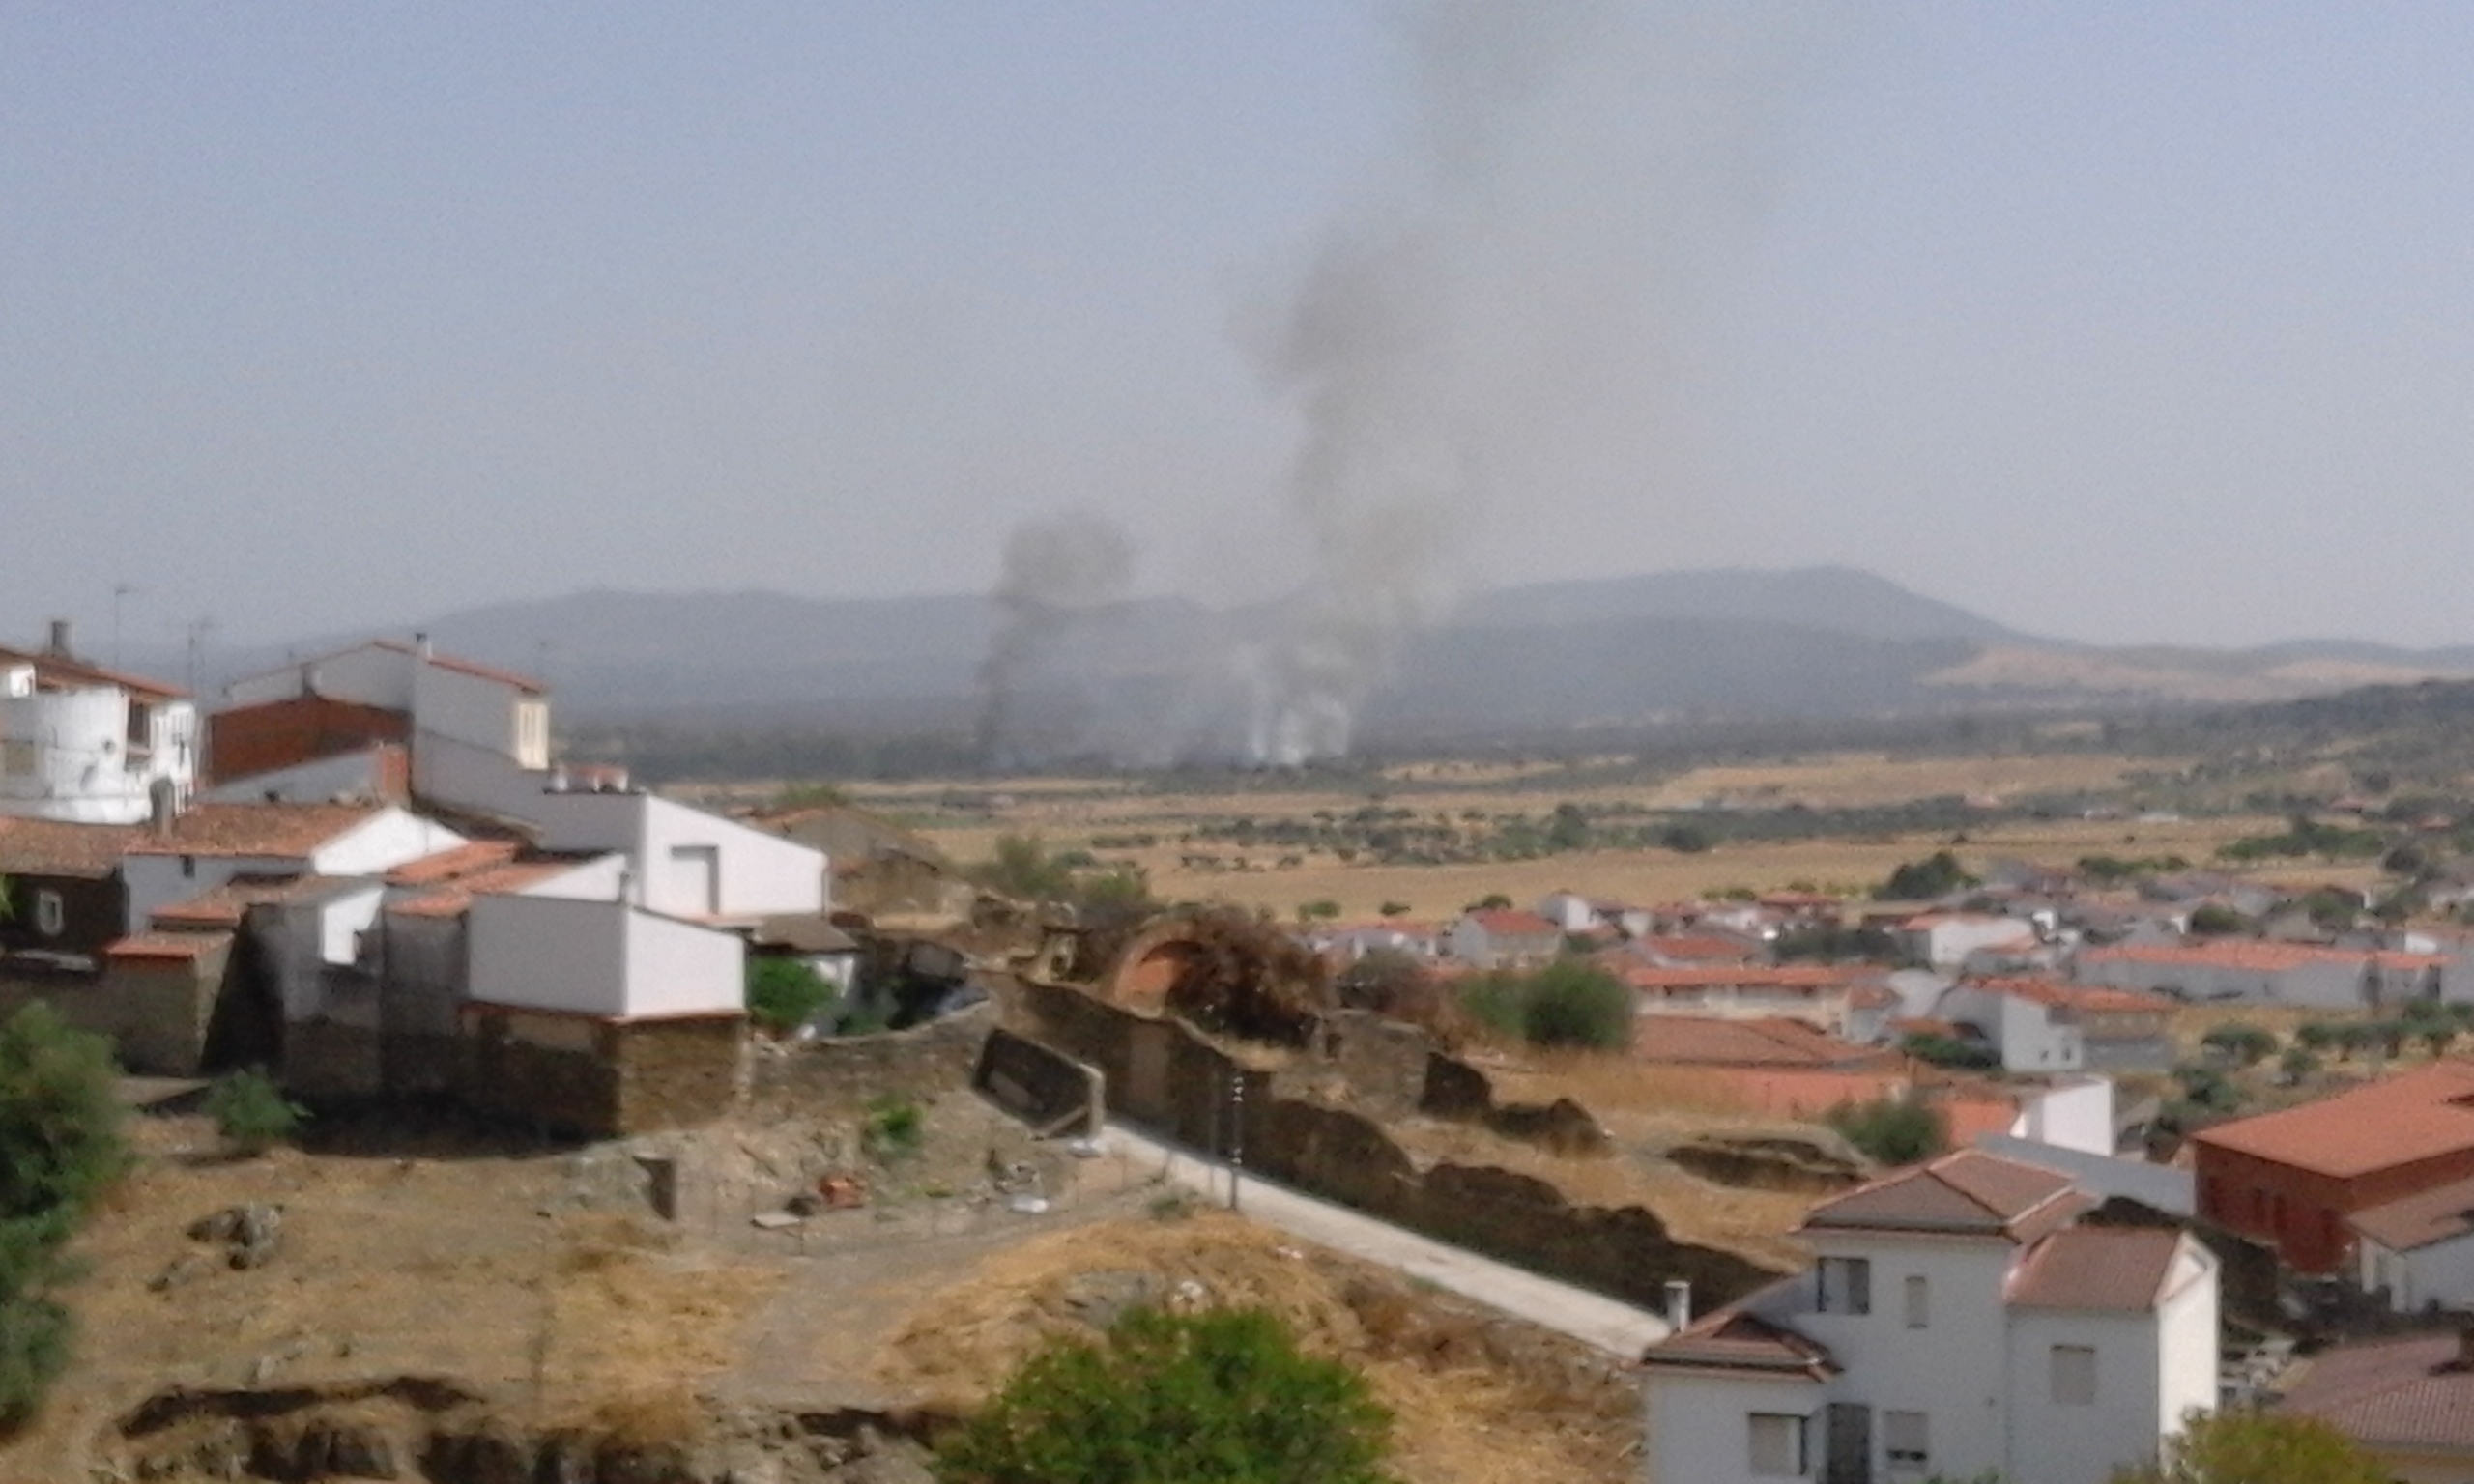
<point>1608,1323</point>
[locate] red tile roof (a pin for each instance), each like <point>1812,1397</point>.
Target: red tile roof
<point>167,947</point>
<point>1730,1339</point>
<point>2401,1394</point>
<point>454,898</point>
<point>446,864</point>
<point>2413,1116</point>
<point>224,905</point>
<point>279,830</point>
<point>1700,948</point>
<point>2254,955</point>
<point>1770,1042</point>
<point>48,847</point>
<point>2094,999</point>
<point>1657,979</point>
<point>2420,1219</point>
<point>1966,1192</point>
<point>65,673</point>
<point>2118,1268</point>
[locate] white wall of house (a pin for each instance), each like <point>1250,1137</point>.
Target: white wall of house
<point>2333,983</point>
<point>344,917</point>
<point>1700,1426</point>
<point>752,873</point>
<point>603,878</point>
<point>1952,1369</point>
<point>66,755</point>
<point>600,958</point>
<point>1569,911</point>
<point>2440,1273</point>
<point>1946,944</point>
<point>469,708</point>
<point>385,839</point>
<point>2117,1424</point>
<point>2189,1338</point>
<point>470,776</point>
<point>370,675</point>
<point>2028,1037</point>
<point>2075,1113</point>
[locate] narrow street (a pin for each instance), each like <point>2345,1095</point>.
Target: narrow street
<point>1608,1323</point>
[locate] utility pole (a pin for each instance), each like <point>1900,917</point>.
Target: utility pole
<point>120,591</point>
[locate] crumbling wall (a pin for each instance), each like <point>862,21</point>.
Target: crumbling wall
<point>601,1078</point>
<point>840,1075</point>
<point>1166,1078</point>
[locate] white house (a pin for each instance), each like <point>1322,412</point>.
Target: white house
<point>1957,1320</point>
<point>2255,972</point>
<point>2419,1249</point>
<point>606,959</point>
<point>89,745</point>
<point>2045,1025</point>
<point>1944,940</point>
<point>1495,938</point>
<point>684,862</point>
<point>211,843</point>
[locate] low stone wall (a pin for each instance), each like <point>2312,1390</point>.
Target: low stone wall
<point>600,1080</point>
<point>1166,1078</point>
<point>840,1075</point>
<point>155,1012</point>
<point>330,1061</point>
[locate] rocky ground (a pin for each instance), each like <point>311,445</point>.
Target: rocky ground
<point>413,1297</point>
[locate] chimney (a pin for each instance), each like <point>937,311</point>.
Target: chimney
<point>1678,1304</point>
<point>58,648</point>
<point>420,645</point>
<point>2465,1345</point>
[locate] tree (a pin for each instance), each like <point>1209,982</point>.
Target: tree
<point>251,1112</point>
<point>60,1125</point>
<point>1389,983</point>
<point>2241,1041</point>
<point>1572,1004</point>
<point>1567,829</point>
<point>2213,919</point>
<point>2258,1447</point>
<point>1891,1130</point>
<point>783,994</point>
<point>1937,875</point>
<point>1215,1398</point>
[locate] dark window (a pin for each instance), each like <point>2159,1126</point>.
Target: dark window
<point>1845,1285</point>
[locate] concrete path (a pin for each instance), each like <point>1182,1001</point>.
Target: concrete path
<point>1608,1323</point>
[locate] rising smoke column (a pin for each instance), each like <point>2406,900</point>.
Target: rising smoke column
<point>1500,315</point>
<point>1055,570</point>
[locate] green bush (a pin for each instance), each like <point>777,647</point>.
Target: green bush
<point>783,994</point>
<point>1891,1130</point>
<point>1577,1005</point>
<point>251,1112</point>
<point>1937,875</point>
<point>35,1335</point>
<point>1216,1398</point>
<point>1949,1051</point>
<point>2240,1042</point>
<point>60,1125</point>
<point>895,1128</point>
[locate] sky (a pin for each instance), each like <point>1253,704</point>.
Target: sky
<point>2114,322</point>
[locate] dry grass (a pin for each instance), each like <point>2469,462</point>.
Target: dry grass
<point>630,1330</point>
<point>1470,1407</point>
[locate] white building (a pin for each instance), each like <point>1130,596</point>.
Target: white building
<point>89,745</point>
<point>684,862</point>
<point>2043,1025</point>
<point>2419,1249</point>
<point>2258,972</point>
<point>1944,940</point>
<point>209,845</point>
<point>1956,1321</point>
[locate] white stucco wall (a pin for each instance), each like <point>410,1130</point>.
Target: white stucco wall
<point>1699,1428</point>
<point>2062,1443</point>
<point>599,958</point>
<point>2189,1338</point>
<point>371,676</point>
<point>603,878</point>
<point>2441,1273</point>
<point>379,844</point>
<point>477,778</point>
<point>65,754</point>
<point>344,917</point>
<point>2075,1113</point>
<point>468,708</point>
<point>1953,1370</point>
<point>760,873</point>
<point>350,776</point>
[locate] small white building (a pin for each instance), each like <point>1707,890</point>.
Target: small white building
<point>1944,940</point>
<point>2044,1025</point>
<point>682,861</point>
<point>2419,1250</point>
<point>86,745</point>
<point>211,843</point>
<point>1500,938</point>
<point>1957,1321</point>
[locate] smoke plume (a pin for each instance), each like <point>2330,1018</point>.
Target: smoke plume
<point>1055,570</point>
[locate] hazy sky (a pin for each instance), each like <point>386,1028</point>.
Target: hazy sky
<point>2119,321</point>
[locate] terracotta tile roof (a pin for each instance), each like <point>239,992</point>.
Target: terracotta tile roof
<point>281,830</point>
<point>224,905</point>
<point>50,848</point>
<point>167,947</point>
<point>1925,920</point>
<point>2119,1268</point>
<point>2409,1393</point>
<point>1700,947</point>
<point>508,678</point>
<point>1966,1192</point>
<point>2254,955</point>
<point>1871,996</point>
<point>1770,1042</point>
<point>1969,1111</point>
<point>446,864</point>
<point>1734,1339</point>
<point>2094,999</point>
<point>65,673</point>
<point>2413,1116</point>
<point>1655,979</point>
<point>2420,1219</point>
<point>454,898</point>
<point>1506,922</point>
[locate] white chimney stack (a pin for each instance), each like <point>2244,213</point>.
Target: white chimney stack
<point>1678,1304</point>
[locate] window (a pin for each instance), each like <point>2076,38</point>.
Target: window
<point>2074,1375</point>
<point>49,915</point>
<point>1915,1301</point>
<point>1777,1445</point>
<point>1845,1285</point>
<point>1903,1439</point>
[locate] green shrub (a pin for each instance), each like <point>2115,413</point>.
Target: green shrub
<point>1891,1130</point>
<point>1577,1005</point>
<point>35,1340</point>
<point>1937,875</point>
<point>895,1128</point>
<point>2242,1043</point>
<point>1949,1051</point>
<point>1222,1397</point>
<point>60,1125</point>
<point>251,1112</point>
<point>783,994</point>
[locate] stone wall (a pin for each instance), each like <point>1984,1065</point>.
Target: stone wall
<point>1051,1091</point>
<point>1163,1077</point>
<point>842,1074</point>
<point>601,1078</point>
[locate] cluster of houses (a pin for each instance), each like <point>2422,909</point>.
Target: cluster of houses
<point>2042,1303</point>
<point>366,871</point>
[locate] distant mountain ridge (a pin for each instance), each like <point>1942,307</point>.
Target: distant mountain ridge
<point>1815,641</point>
